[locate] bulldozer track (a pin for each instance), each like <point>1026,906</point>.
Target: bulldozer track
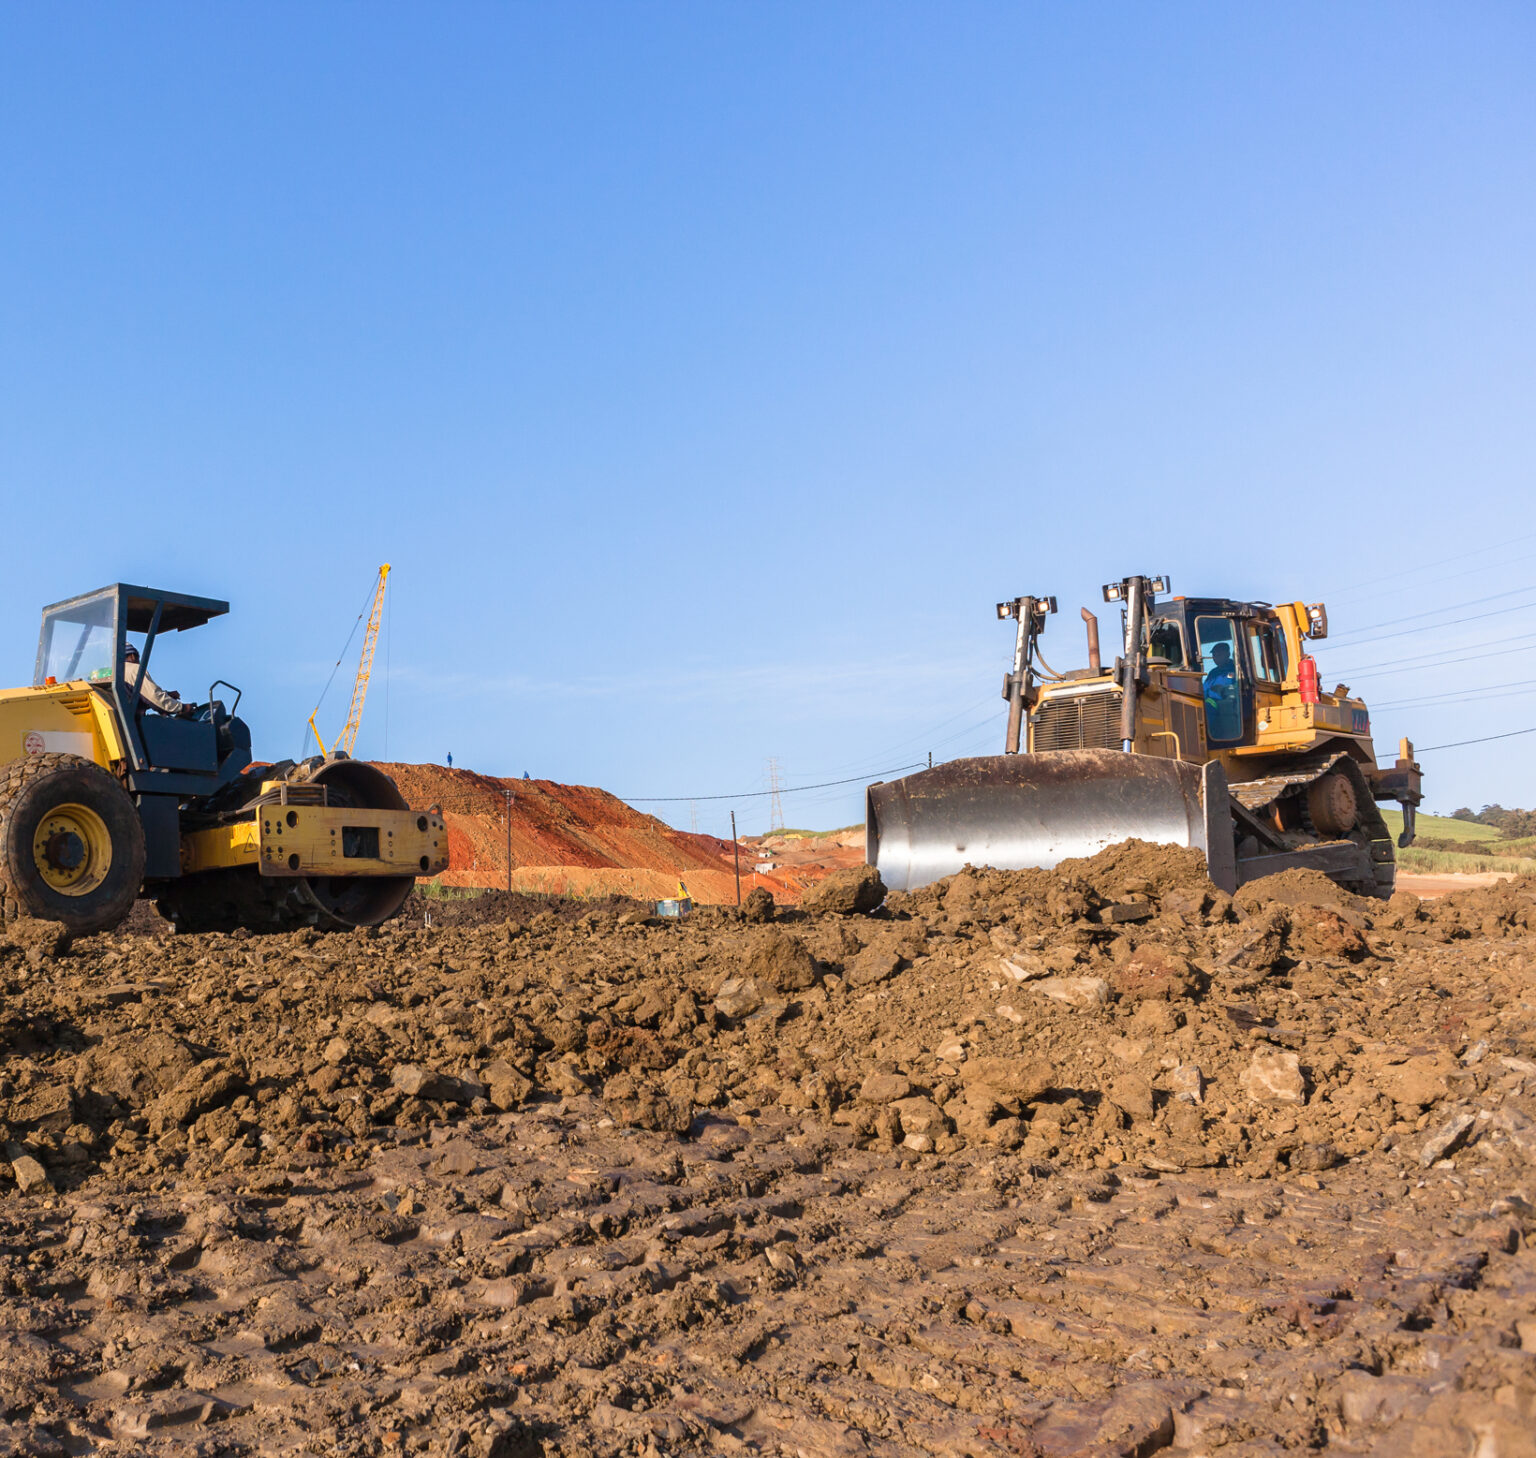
<point>1371,832</point>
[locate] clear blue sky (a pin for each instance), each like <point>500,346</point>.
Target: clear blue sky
<point>707,372</point>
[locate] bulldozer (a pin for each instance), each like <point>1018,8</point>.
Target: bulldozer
<point>1209,729</point>
<point>112,790</point>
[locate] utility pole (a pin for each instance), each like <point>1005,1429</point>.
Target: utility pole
<point>775,804</point>
<point>736,853</point>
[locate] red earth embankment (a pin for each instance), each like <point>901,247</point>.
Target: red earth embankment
<point>576,840</point>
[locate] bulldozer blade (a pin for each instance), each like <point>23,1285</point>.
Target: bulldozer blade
<point>1013,811</point>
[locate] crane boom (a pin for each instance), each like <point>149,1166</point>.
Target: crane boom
<point>364,667</point>
<point>348,736</point>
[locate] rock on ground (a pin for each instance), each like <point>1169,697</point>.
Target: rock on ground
<point>844,893</point>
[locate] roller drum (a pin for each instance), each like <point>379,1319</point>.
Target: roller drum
<point>223,900</point>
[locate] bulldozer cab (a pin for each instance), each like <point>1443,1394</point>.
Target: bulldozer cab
<point>1238,648</point>
<point>86,639</point>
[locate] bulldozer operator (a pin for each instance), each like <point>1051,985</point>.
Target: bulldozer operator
<point>1223,714</point>
<point>164,701</point>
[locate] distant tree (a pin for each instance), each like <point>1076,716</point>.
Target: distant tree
<point>1517,824</point>
<point>1494,815</point>
<point>1465,813</point>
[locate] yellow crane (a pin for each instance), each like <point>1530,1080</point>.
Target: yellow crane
<point>348,736</point>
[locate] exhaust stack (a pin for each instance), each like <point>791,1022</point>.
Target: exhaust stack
<point>1095,663</point>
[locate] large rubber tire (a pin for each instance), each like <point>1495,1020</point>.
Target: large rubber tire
<point>88,872</point>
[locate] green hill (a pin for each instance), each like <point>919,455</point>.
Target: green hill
<point>1512,856</point>
<point>1441,827</point>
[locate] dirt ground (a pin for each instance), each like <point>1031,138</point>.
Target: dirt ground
<point>1096,1161</point>
<point>1427,884</point>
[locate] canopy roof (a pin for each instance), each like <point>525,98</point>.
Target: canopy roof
<point>136,607</point>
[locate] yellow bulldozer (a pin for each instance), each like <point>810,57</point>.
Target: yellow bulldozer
<point>112,788</point>
<point>1210,729</point>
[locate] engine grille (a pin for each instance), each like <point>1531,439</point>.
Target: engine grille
<point>1082,721</point>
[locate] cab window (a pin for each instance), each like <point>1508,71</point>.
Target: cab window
<point>78,641</point>
<point>1218,658</point>
<point>1166,640</point>
<point>1265,647</point>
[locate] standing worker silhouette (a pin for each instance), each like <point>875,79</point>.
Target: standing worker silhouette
<point>450,761</point>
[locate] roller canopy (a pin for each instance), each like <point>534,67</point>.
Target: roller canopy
<point>1014,811</point>
<point>178,610</point>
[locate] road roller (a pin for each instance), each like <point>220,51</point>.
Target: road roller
<point>112,789</point>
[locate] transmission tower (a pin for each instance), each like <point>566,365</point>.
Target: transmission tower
<point>775,803</point>
<point>693,816</point>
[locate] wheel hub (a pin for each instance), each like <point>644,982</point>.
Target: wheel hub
<point>1332,804</point>
<point>65,851</point>
<point>72,849</point>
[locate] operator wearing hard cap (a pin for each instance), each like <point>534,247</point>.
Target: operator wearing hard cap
<point>1222,679</point>
<point>1223,712</point>
<point>163,700</point>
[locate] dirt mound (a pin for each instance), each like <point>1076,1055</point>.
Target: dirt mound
<point>1294,888</point>
<point>1085,1160</point>
<point>578,841</point>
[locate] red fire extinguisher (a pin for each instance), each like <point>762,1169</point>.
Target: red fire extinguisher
<point>1306,679</point>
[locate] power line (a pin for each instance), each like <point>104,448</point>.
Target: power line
<point>759,794</point>
<point>1358,587</point>
<point>1453,622</point>
<point>1449,655</point>
<point>970,731</point>
<point>1458,695</point>
<point>1486,739</point>
<point>923,737</point>
<point>1448,608</point>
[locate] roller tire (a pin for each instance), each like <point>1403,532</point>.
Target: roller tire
<point>30,789</point>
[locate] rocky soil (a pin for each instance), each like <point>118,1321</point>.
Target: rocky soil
<point>1096,1161</point>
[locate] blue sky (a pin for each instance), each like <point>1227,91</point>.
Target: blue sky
<point>707,372</point>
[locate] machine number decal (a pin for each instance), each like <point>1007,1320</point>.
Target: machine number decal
<point>34,743</point>
<point>1360,721</point>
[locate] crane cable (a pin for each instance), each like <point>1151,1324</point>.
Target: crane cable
<point>345,649</point>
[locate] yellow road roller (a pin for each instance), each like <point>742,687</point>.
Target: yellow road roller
<point>112,788</point>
